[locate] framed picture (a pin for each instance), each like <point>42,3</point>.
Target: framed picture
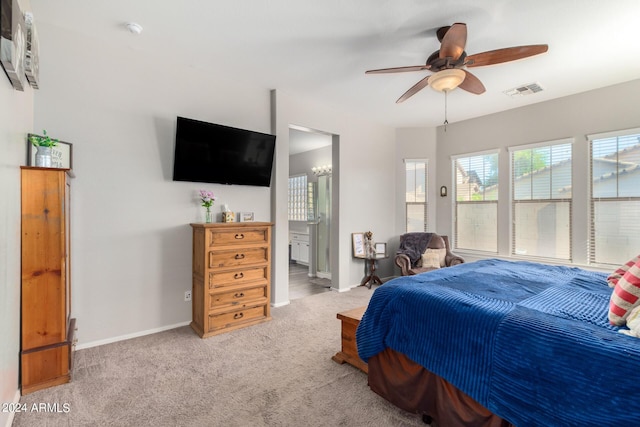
<point>381,249</point>
<point>61,154</point>
<point>358,245</point>
<point>13,42</point>
<point>245,216</point>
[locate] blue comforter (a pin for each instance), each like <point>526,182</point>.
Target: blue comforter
<point>530,342</point>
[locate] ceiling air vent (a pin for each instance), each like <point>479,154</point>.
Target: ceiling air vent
<point>523,90</point>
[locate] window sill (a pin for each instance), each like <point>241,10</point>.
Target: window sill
<point>475,256</point>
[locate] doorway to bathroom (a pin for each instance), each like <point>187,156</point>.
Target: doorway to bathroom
<point>309,211</point>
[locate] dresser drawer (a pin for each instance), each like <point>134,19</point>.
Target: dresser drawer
<point>242,256</point>
<point>219,279</point>
<point>238,236</point>
<point>239,298</point>
<point>225,320</point>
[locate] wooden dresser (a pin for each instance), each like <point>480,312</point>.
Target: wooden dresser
<point>231,276</point>
<point>47,330</point>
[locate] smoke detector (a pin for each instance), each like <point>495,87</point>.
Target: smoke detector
<point>528,89</point>
<point>134,28</point>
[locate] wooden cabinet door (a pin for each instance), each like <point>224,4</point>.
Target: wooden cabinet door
<point>44,258</point>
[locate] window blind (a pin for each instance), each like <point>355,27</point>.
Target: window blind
<point>476,202</point>
<point>541,195</point>
<point>614,235</point>
<point>416,195</point>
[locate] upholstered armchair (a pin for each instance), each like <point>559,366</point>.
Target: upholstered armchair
<point>409,256</point>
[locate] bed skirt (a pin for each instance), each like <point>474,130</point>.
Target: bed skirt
<point>411,387</point>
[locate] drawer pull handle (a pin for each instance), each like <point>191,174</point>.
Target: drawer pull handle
<point>238,276</point>
<point>239,256</point>
<point>238,316</point>
<point>239,236</point>
<point>239,295</point>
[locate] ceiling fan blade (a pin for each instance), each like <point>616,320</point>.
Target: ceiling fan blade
<point>507,54</point>
<point>454,41</point>
<point>472,84</point>
<point>414,89</point>
<point>399,69</point>
<point>440,32</point>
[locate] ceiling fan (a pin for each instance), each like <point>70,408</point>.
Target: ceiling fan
<point>449,62</point>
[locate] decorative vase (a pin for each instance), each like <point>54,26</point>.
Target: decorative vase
<point>208,216</point>
<point>43,157</point>
<point>369,249</point>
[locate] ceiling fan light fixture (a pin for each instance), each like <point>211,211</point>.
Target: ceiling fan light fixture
<point>447,80</point>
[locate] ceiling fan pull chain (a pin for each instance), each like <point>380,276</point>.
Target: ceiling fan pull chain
<point>446,122</point>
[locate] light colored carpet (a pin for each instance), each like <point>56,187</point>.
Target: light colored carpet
<point>279,373</point>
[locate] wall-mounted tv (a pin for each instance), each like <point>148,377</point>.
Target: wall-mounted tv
<point>208,152</point>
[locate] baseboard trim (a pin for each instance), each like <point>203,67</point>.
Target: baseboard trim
<point>280,304</point>
<point>344,289</point>
<point>129,336</point>
<point>10,414</point>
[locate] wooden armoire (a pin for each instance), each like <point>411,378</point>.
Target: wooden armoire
<point>47,329</point>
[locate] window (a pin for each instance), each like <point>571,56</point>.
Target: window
<point>615,197</point>
<point>416,195</point>
<point>297,198</point>
<point>476,202</point>
<point>541,200</point>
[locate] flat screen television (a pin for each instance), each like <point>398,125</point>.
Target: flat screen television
<point>208,152</point>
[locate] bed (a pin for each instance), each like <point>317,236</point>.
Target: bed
<point>500,343</point>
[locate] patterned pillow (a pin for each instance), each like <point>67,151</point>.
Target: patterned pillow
<point>441,253</point>
<point>430,260</point>
<point>625,296</point>
<point>613,278</point>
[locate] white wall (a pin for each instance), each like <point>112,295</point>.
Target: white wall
<point>131,243</point>
<point>16,120</point>
<point>362,180</point>
<point>302,163</point>
<point>131,240</point>
<point>414,143</point>
<point>601,110</point>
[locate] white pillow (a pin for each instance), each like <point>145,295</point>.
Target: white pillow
<point>441,253</point>
<point>430,260</point>
<point>633,323</point>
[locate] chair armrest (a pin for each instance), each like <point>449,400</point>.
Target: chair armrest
<point>451,260</point>
<point>404,263</point>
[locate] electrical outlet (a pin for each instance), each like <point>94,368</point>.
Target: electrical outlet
<point>187,296</point>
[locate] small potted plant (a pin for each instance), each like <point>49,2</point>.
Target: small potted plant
<point>43,144</point>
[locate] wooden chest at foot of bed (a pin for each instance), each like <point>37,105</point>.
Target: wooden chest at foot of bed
<point>350,320</point>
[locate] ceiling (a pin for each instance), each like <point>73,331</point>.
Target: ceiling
<point>303,140</point>
<point>320,50</point>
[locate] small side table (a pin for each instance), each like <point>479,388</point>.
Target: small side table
<point>372,278</point>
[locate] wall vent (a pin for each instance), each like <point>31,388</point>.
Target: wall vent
<point>523,90</point>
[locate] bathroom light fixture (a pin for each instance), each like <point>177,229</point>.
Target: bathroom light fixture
<point>321,170</point>
<point>134,28</point>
